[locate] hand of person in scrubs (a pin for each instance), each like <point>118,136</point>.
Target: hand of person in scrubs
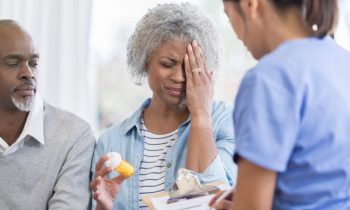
<point>219,203</point>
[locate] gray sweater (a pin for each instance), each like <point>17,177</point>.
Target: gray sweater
<point>51,176</point>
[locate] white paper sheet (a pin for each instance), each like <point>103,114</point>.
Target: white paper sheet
<point>198,203</point>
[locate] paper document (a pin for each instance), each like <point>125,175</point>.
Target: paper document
<point>189,195</point>
<point>198,203</point>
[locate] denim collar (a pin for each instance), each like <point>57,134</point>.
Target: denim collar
<point>135,119</point>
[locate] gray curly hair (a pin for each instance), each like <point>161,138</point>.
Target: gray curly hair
<point>171,21</point>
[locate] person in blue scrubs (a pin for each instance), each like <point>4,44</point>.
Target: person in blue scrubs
<point>292,110</point>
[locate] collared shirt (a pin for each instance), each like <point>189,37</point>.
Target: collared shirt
<point>292,116</point>
<point>126,138</point>
<point>51,176</point>
<point>34,127</point>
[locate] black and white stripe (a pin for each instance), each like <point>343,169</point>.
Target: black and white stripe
<point>152,168</point>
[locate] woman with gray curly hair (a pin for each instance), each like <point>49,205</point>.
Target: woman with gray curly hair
<point>176,47</point>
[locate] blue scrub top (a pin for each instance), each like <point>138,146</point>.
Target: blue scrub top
<point>292,116</point>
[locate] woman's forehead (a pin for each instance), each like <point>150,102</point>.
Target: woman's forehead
<point>172,47</point>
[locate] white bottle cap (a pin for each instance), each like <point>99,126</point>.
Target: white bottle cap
<point>114,159</point>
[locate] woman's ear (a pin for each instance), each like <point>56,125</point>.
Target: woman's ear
<point>250,7</point>
<point>146,67</point>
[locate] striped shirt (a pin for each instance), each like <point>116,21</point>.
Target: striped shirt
<point>152,168</point>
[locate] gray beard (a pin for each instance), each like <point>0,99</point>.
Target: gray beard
<point>24,106</point>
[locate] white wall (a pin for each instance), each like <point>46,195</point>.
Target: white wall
<point>60,30</point>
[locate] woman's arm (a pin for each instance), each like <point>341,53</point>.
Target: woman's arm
<point>199,93</point>
<point>255,187</point>
<point>201,144</point>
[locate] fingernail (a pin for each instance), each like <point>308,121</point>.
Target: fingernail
<point>189,47</point>
<point>194,43</point>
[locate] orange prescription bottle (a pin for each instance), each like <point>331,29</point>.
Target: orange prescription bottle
<point>122,167</point>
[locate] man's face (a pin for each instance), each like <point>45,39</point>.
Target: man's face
<point>18,69</point>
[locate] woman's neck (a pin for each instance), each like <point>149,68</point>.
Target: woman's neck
<point>284,26</point>
<point>161,119</point>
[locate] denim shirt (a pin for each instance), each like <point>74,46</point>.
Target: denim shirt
<point>126,138</point>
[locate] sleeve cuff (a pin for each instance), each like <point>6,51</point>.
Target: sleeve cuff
<point>214,172</point>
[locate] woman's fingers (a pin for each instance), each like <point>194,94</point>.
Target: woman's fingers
<point>188,71</point>
<point>223,205</point>
<point>119,179</point>
<point>194,67</point>
<point>95,183</point>
<point>198,55</point>
<point>100,169</point>
<point>207,72</point>
<point>104,171</point>
<point>192,58</point>
<point>222,199</point>
<point>96,195</point>
<point>216,196</point>
<point>197,62</point>
<point>100,163</point>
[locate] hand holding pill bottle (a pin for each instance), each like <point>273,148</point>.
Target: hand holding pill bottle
<point>119,165</point>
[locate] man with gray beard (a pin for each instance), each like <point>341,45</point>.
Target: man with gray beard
<point>45,153</point>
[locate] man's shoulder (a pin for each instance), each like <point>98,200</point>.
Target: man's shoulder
<point>62,119</point>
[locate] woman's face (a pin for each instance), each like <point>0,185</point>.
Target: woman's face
<point>166,73</point>
<point>247,29</point>
<point>236,19</point>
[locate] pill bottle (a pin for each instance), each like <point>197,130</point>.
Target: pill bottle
<point>121,166</point>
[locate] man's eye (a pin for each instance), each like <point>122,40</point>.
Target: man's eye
<point>33,64</point>
<point>12,62</point>
<point>12,65</point>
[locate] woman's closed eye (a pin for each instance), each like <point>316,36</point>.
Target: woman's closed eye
<point>168,64</point>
